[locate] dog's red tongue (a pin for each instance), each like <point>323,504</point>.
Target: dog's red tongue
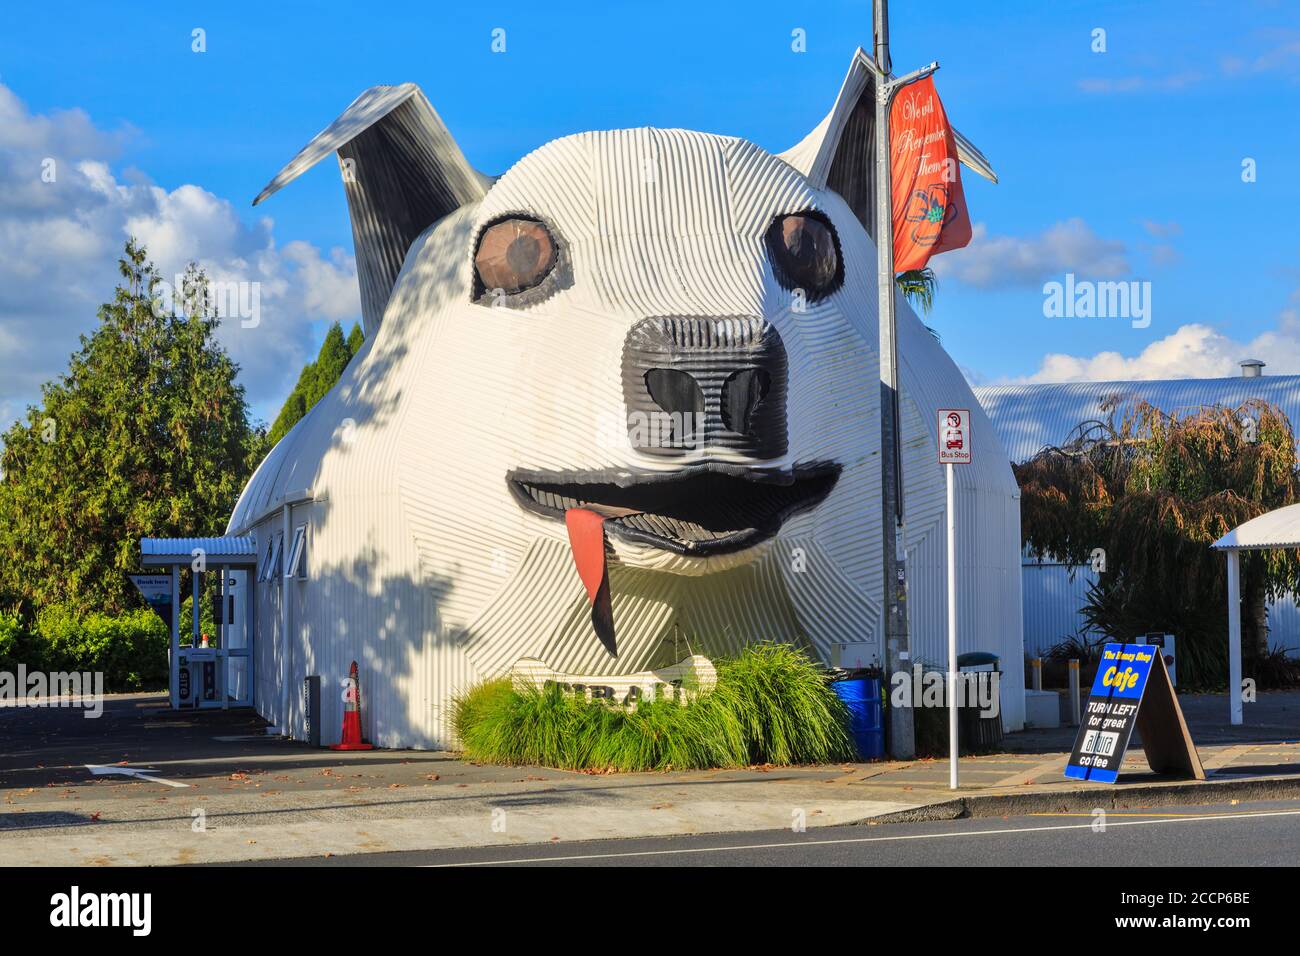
<point>587,540</point>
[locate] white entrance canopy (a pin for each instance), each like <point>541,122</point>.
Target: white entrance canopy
<point>231,551</point>
<point>1277,529</point>
<point>225,669</point>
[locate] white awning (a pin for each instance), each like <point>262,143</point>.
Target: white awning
<point>1277,529</point>
<point>228,550</point>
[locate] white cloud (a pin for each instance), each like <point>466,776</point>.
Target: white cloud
<point>1140,84</point>
<point>1192,351</point>
<point>63,132</point>
<point>1282,57</point>
<point>1162,230</point>
<point>999,261</point>
<point>60,242</point>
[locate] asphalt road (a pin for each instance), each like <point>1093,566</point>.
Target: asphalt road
<point>1247,834</point>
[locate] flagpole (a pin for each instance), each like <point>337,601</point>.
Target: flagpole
<point>902,738</point>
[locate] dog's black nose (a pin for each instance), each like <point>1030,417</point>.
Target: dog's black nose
<point>694,382</point>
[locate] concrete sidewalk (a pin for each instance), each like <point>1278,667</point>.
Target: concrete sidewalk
<point>223,791</point>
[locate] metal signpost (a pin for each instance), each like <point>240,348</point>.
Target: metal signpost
<point>954,449</point>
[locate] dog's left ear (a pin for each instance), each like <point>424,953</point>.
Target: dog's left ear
<point>838,154</point>
<point>402,172</point>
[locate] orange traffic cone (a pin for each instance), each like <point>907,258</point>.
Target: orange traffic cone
<point>352,715</point>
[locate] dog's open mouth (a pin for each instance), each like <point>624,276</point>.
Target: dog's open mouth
<point>697,511</point>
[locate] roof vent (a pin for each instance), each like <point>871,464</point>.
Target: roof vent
<point>1252,368</point>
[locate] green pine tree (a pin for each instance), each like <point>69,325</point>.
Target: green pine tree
<point>355,338</point>
<point>145,434</point>
<point>317,378</point>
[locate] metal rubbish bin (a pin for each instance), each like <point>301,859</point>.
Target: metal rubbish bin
<point>978,731</point>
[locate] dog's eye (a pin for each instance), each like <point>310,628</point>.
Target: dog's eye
<point>514,255</point>
<point>806,253</point>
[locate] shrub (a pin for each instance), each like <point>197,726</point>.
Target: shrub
<point>1079,647</point>
<point>12,637</point>
<point>771,704</point>
<point>1276,670</point>
<point>130,649</point>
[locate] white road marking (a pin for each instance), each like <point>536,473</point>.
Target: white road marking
<point>883,839</point>
<point>141,773</point>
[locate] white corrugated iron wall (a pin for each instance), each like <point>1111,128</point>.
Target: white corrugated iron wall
<point>1053,599</point>
<point>374,610</point>
<point>267,640</point>
<point>1284,624</point>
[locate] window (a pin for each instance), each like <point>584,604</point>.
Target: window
<point>296,566</point>
<point>264,569</point>
<point>273,564</point>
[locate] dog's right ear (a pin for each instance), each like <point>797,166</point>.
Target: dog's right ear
<point>839,152</point>
<point>402,171</point>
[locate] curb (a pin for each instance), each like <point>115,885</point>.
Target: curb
<point>1085,801</point>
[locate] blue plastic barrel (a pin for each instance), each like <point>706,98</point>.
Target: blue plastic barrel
<point>866,719</point>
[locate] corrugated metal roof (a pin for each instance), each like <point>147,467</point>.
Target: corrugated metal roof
<point>1277,529</point>
<point>226,546</point>
<point>1030,417</point>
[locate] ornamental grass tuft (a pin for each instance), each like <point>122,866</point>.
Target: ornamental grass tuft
<point>771,705</point>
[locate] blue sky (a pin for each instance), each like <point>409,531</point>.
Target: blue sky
<point>1122,164</point>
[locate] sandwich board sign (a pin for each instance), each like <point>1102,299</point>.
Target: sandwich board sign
<point>954,436</point>
<point>1132,691</point>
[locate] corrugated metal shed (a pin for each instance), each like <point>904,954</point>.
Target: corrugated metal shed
<point>1031,417</point>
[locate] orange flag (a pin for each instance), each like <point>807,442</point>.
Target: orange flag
<point>928,204</point>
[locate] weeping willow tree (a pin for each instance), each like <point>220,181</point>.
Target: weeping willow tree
<point>1141,496</point>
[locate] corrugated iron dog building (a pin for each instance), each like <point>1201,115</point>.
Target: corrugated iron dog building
<point>674,330</point>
